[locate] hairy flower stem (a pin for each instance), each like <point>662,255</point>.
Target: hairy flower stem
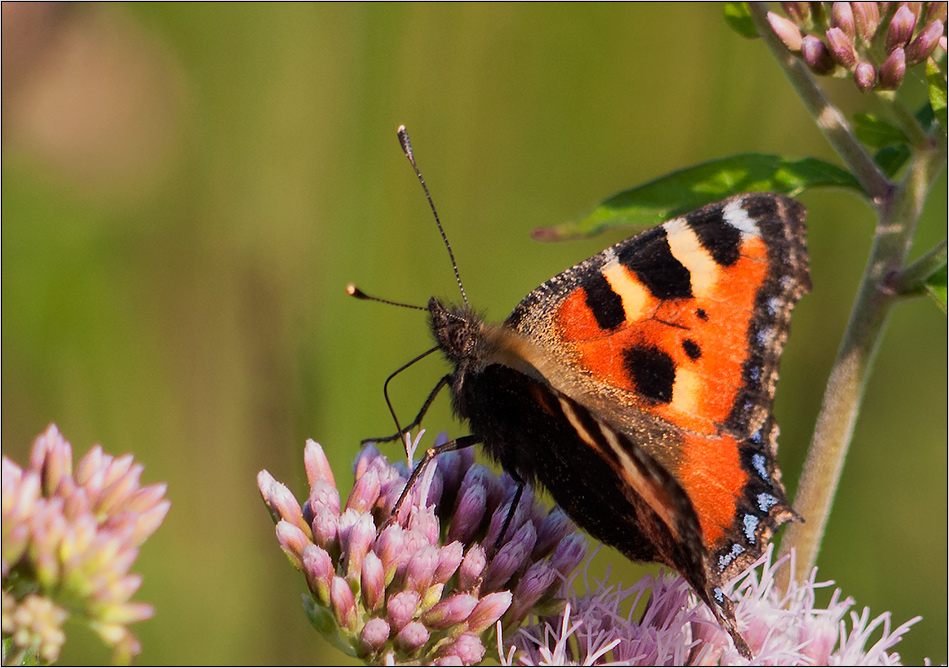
<point>847,382</point>
<point>898,209</point>
<point>911,281</point>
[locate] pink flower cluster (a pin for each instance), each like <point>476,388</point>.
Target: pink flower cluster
<point>70,537</point>
<point>874,42</point>
<point>674,628</point>
<point>420,587</point>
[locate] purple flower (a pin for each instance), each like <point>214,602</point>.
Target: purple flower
<point>70,536</point>
<point>782,628</point>
<point>875,41</point>
<point>893,69</point>
<point>393,589</point>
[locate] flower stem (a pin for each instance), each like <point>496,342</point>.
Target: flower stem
<point>898,209</point>
<point>911,282</point>
<point>845,387</point>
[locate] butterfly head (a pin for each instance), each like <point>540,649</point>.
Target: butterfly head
<point>457,331</point>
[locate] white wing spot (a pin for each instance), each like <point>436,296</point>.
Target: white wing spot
<point>687,249</point>
<point>726,559</point>
<point>766,502</point>
<point>759,462</point>
<point>736,216</point>
<point>751,523</point>
<point>635,295</point>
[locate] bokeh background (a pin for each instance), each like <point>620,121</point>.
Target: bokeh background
<point>188,188</point>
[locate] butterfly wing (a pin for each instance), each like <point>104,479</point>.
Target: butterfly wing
<point>673,338</point>
<point>603,479</point>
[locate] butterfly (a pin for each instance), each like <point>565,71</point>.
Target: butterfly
<point>637,387</point>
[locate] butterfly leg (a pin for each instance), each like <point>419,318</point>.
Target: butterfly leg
<point>418,418</point>
<point>430,454</point>
<point>510,516</point>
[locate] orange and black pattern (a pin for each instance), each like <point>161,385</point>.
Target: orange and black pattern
<point>637,387</point>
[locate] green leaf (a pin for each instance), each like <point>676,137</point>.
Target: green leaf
<point>324,621</point>
<point>925,116</point>
<point>877,133</point>
<point>937,92</point>
<point>892,158</point>
<point>739,18</point>
<point>691,188</point>
<point>12,653</point>
<point>936,287</point>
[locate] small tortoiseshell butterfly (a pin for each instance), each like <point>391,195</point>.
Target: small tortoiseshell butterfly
<point>637,387</point>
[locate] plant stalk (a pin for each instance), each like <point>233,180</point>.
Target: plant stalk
<point>898,210</point>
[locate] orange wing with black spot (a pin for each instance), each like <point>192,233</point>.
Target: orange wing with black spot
<point>673,339</point>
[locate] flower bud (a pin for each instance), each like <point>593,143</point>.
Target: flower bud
<point>93,461</point>
<point>118,468</point>
<point>360,538</point>
<point>866,19</point>
<point>841,48</point>
<point>568,554</point>
<point>324,498</point>
<point>147,498</point>
<point>401,607</point>
<point>937,11</point>
<point>373,582</point>
<point>900,29</point>
<point>539,579</point>
<point>37,626</point>
<point>318,569</point>
<point>421,569</point>
<point>842,17</point>
<point>281,501</point>
<point>365,492</point>
<point>292,541</point>
<point>57,464</point>
<point>389,547</point>
<point>864,75</point>
<point>816,55</point>
<point>365,459</point>
<point>374,635</point>
<point>449,612</point>
<point>449,559</point>
<point>552,529</point>
<point>786,30</point>
<point>892,70</point>
<point>343,603</point>
<point>467,650</point>
<point>498,519</point>
<point>316,464</point>
<point>450,472</point>
<point>489,610</point>
<point>924,44</point>
<point>424,522</point>
<point>121,490</point>
<point>149,520</point>
<point>325,529</point>
<point>469,514</point>
<point>799,12</point>
<point>511,557</point>
<point>412,637</point>
<point>472,568</point>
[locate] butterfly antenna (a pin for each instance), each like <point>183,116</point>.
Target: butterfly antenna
<point>353,291</point>
<point>407,149</point>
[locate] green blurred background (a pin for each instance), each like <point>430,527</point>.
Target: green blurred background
<point>187,189</point>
